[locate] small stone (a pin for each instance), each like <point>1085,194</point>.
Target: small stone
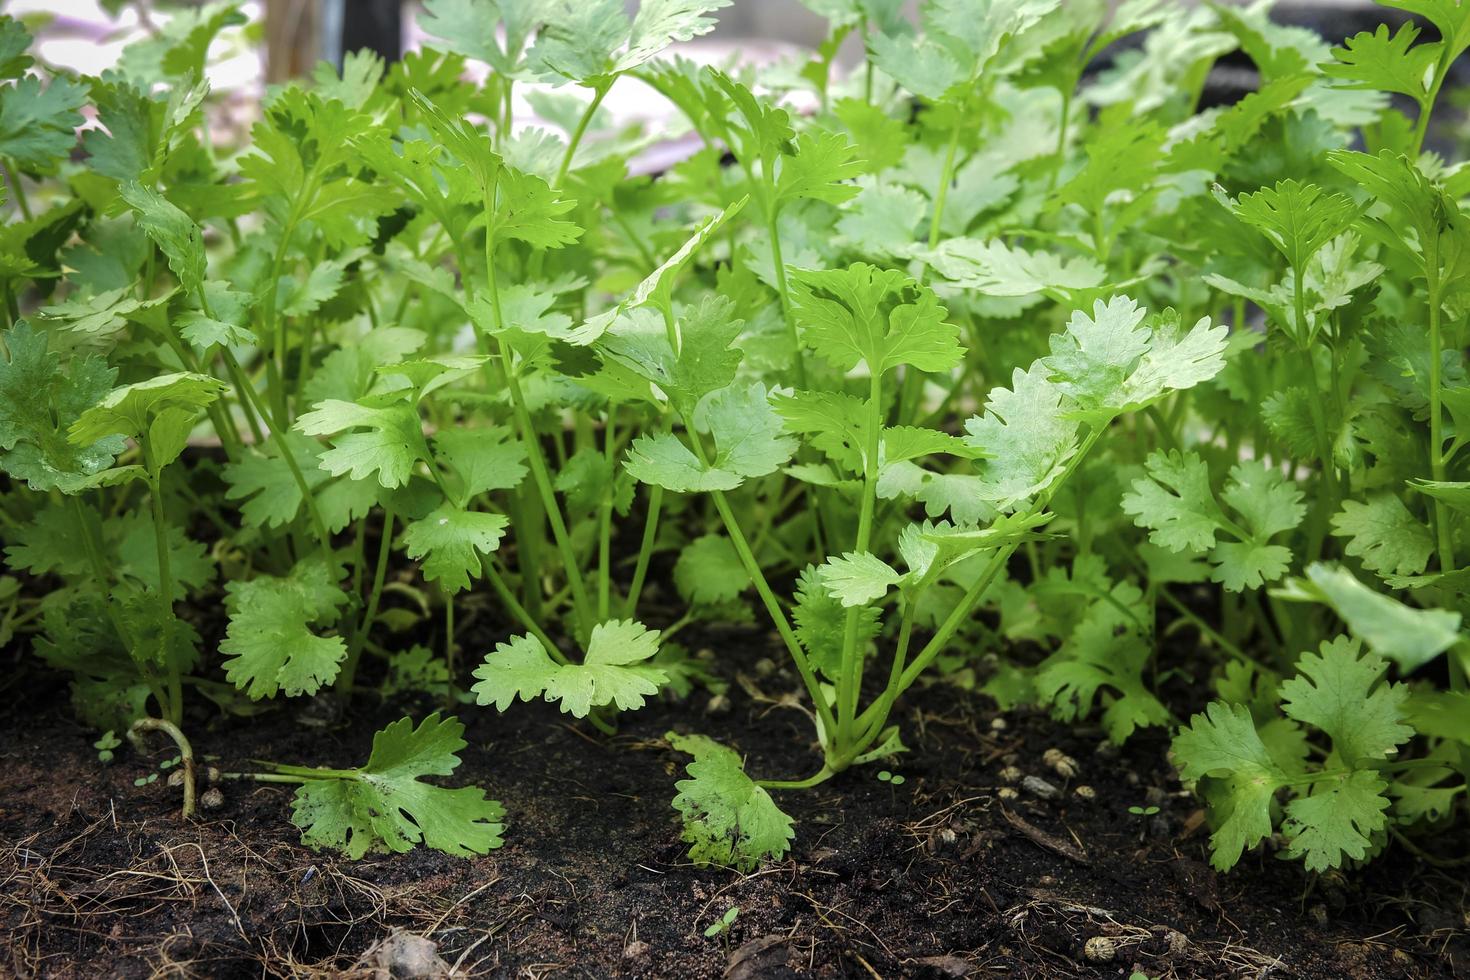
<point>1011,774</point>
<point>1318,913</point>
<point>1007,793</point>
<point>1040,788</point>
<point>1100,949</point>
<point>998,724</point>
<point>1178,942</point>
<point>410,956</point>
<point>212,798</point>
<point>176,778</point>
<point>1060,763</point>
<point>211,774</point>
<point>718,705</point>
<point>1085,793</point>
<point>635,950</point>
<point>765,667</point>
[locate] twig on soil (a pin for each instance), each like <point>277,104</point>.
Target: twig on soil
<point>1041,838</point>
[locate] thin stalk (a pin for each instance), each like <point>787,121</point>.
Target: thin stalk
<point>449,650</point>
<point>774,610</point>
<point>186,752</point>
<point>598,94</point>
<point>16,190</point>
<point>604,521</point>
<point>645,549</point>
<point>785,294</point>
<point>370,611</point>
<point>534,455</point>
<point>175,711</point>
<point>946,176</point>
<point>849,680</point>
<point>277,435</point>
<point>821,776</point>
<point>519,612</point>
<point>1436,432</point>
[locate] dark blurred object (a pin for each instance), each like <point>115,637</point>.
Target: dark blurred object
<point>301,33</point>
<point>373,24</point>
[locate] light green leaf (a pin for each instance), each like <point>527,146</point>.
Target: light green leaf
<point>858,578</point>
<point>451,542</point>
<point>728,819</point>
<point>270,645</point>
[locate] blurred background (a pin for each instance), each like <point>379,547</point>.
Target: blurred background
<point>283,39</point>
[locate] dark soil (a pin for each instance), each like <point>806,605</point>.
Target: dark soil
<point>942,876</point>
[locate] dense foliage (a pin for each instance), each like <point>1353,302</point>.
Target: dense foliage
<point>997,362</point>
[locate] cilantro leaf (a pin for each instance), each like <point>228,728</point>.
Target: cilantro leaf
<point>132,409</point>
<point>1298,219</point>
<point>1336,820</point>
<point>1338,692</point>
<point>38,125</point>
<point>1409,637</point>
<point>269,642</point>
<point>493,31</point>
<point>1111,362</point>
<point>451,542</point>
<point>1374,60</point>
<point>858,578</point>
<point>615,671</point>
<point>591,42</point>
<point>728,819</point>
<point>385,805</point>
<point>1026,436</point>
<point>878,316</point>
<point>747,437</point>
<point>1382,532</point>
<point>1222,743</point>
<point>39,402</point>
<point>173,231</point>
<point>709,571</point>
<point>387,441</point>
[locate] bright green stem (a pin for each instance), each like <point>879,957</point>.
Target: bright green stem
<point>821,776</point>
<point>604,522</point>
<point>962,610</point>
<point>16,190</point>
<point>165,593</point>
<point>946,176</point>
<point>1436,432</point>
<point>370,613</point>
<point>884,704</point>
<point>527,430</point>
<point>519,612</point>
<point>850,678</point>
<point>449,650</point>
<point>774,610</point>
<point>773,230</point>
<point>645,549</point>
<point>278,437</point>
<point>186,752</point>
<point>598,94</point>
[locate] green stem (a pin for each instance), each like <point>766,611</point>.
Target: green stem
<point>849,682</point>
<point>598,94</point>
<point>645,549</point>
<point>518,611</point>
<point>821,776</point>
<point>370,612</point>
<point>774,610</point>
<point>186,752</point>
<point>1436,432</point>
<point>16,190</point>
<point>175,711</point>
<point>946,175</point>
<point>604,521</point>
<point>773,231</point>
<point>277,435</point>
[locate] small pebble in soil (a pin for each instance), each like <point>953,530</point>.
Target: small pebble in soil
<point>212,798</point>
<point>1007,793</point>
<point>1040,788</point>
<point>1178,942</point>
<point>1060,763</point>
<point>718,705</point>
<point>635,950</point>
<point>1085,793</point>
<point>1011,774</point>
<point>1100,949</point>
<point>998,724</point>
<point>765,667</point>
<point>1319,914</point>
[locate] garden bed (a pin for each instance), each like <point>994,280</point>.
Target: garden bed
<point>939,876</point>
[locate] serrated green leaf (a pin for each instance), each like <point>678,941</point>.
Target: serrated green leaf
<point>451,543</point>
<point>728,819</point>
<point>270,643</point>
<point>386,806</point>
